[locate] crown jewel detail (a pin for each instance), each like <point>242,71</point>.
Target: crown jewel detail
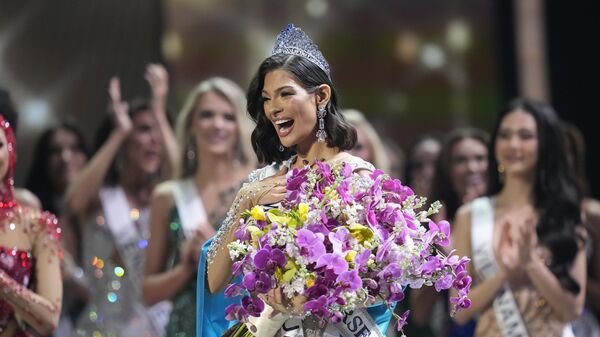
<point>293,41</point>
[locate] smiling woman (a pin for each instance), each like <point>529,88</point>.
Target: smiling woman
<point>284,95</point>
<point>526,238</point>
<point>294,104</point>
<point>110,199</point>
<point>214,137</point>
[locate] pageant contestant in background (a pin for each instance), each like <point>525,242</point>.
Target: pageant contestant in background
<point>215,156</point>
<point>30,279</point>
<point>110,198</point>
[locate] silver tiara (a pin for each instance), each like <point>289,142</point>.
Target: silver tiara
<point>293,41</point>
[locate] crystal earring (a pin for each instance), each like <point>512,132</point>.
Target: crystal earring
<point>321,133</point>
<point>281,148</point>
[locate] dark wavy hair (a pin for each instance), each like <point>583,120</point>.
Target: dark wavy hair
<point>38,179</point>
<point>442,188</point>
<point>556,194</point>
<point>7,109</point>
<point>265,142</point>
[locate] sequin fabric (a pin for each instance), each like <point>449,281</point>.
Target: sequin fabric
<point>115,308</point>
<point>182,322</point>
<point>19,265</point>
<point>16,223</point>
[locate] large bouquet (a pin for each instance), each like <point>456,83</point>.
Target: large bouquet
<point>342,241</point>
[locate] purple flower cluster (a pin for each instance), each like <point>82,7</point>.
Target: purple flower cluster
<point>339,241</point>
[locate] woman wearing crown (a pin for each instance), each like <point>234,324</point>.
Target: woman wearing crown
<point>293,102</point>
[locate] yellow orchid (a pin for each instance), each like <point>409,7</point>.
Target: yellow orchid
<point>274,216</point>
<point>303,211</point>
<point>361,233</point>
<point>350,255</point>
<point>258,213</point>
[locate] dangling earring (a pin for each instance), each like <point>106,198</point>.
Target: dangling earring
<point>281,148</point>
<point>321,134</point>
<point>191,156</point>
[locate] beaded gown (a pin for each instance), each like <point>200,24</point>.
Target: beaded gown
<point>115,308</point>
<point>29,241</point>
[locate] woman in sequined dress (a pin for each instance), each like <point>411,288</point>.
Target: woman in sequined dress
<point>525,239</point>
<point>213,131</point>
<point>294,104</point>
<point>30,280</point>
<point>110,199</point>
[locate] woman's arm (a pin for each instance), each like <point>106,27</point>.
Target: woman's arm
<point>39,308</point>
<point>160,284</point>
<point>158,78</point>
<point>264,192</point>
<point>84,189</point>
<point>484,292</point>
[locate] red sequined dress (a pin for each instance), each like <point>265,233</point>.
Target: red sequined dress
<point>19,265</point>
<point>25,227</point>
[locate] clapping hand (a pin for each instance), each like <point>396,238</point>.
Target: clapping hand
<point>191,249</point>
<point>158,78</point>
<point>119,109</point>
<point>517,243</point>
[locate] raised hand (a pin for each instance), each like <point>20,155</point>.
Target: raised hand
<point>506,248</point>
<point>120,109</point>
<point>158,78</point>
<point>204,232</point>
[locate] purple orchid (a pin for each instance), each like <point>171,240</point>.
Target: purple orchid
<point>396,292</point>
<point>234,289</point>
<point>312,243</point>
<point>268,259</point>
<point>235,312</point>
<point>440,231</point>
<point>445,282</point>
<point>317,307</point>
<point>253,305</point>
<point>333,261</point>
<point>257,282</point>
<point>340,240</point>
<point>350,280</point>
<point>401,322</point>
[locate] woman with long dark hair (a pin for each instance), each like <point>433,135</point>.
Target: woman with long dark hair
<point>293,102</point>
<point>526,239</point>
<point>59,156</point>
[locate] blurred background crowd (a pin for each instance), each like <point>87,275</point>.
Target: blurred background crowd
<point>114,99</point>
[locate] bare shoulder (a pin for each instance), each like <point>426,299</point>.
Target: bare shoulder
<point>462,219</point>
<point>591,211</point>
<point>358,164</point>
<point>42,226</point>
<point>26,198</point>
